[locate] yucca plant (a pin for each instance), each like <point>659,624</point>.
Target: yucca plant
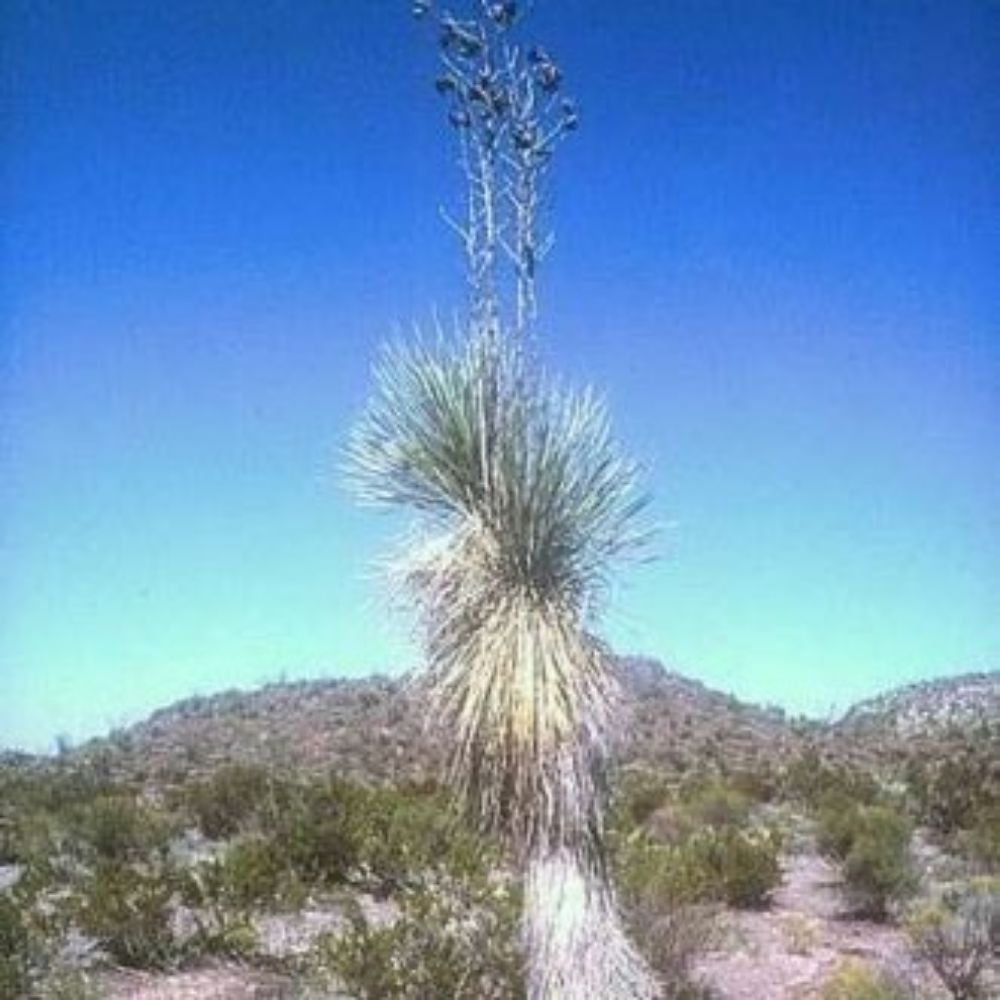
<point>525,505</point>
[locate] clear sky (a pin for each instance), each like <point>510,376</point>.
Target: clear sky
<point>777,253</point>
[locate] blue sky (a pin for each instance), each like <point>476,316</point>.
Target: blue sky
<point>777,246</point>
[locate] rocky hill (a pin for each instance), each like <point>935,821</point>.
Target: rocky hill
<point>376,729</point>
<point>929,709</point>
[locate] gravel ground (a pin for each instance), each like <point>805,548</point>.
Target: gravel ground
<point>786,952</point>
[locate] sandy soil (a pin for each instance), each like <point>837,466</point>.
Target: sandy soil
<point>785,952</point>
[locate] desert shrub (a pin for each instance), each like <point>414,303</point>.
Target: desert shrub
<point>117,828</point>
<point>452,939</point>
<point>737,867</point>
<point>220,897</point>
<point>981,842</point>
<point>670,939</point>
<point>319,831</point>
<point>667,876</point>
<point>251,875</point>
<point>837,824</point>
<point>717,804</point>
<point>401,836</point>
<point>872,842</point>
<point>960,789</point>
<point>958,936</point>
<point>758,784</point>
<point>39,810</point>
<point>334,831</point>
<point>672,824</point>
<point>801,933</point>
<point>741,866</point>
<point>809,778</point>
<point>854,980</point>
<point>9,847</point>
<point>128,911</point>
<point>28,836</point>
<point>661,893</point>
<point>877,867</point>
<point>55,790</point>
<point>223,804</point>
<point>638,796</point>
<point>14,942</point>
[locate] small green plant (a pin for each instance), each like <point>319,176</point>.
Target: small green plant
<point>741,865</point>
<point>663,891</point>
<point>223,804</point>
<point>718,804</point>
<point>872,843</point>
<point>14,942</point>
<point>116,828</point>
<point>958,937</point>
<point>452,939</point>
<point>981,842</point>
<point>836,824</point>
<point>128,911</point>
<point>877,867</point>
<point>319,831</point>
<point>638,796</point>
<point>220,907</point>
<point>801,933</point>
<point>809,778</point>
<point>223,894</point>
<point>737,867</point>
<point>854,980</point>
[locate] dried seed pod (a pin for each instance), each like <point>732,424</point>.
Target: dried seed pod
<point>503,14</point>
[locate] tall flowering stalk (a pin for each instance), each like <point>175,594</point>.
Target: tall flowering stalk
<point>526,506</point>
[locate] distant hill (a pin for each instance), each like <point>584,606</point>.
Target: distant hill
<point>928,709</point>
<point>374,729</point>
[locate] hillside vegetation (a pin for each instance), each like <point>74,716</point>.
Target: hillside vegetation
<point>293,841</point>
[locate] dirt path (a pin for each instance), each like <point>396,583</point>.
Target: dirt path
<point>786,952</point>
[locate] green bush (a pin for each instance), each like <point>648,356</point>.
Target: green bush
<point>877,868</point>
<point>958,937</point>
<point>223,804</point>
<point>334,831</point>
<point>128,912</point>
<point>854,980</point>
<point>660,876</point>
<point>741,866</point>
<point>453,939</point>
<point>959,789</point>
<point>718,805</point>
<point>13,950</point>
<point>837,822</point>
<point>10,852</point>
<point>809,778</point>
<point>318,831</point>
<point>39,810</point>
<point>981,842</point>
<point>872,843</point>
<point>401,836</point>
<point>220,898</point>
<point>661,892</point>
<point>737,867</point>
<point>252,875</point>
<point>759,784</point>
<point>117,828</point>
<point>639,794</point>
